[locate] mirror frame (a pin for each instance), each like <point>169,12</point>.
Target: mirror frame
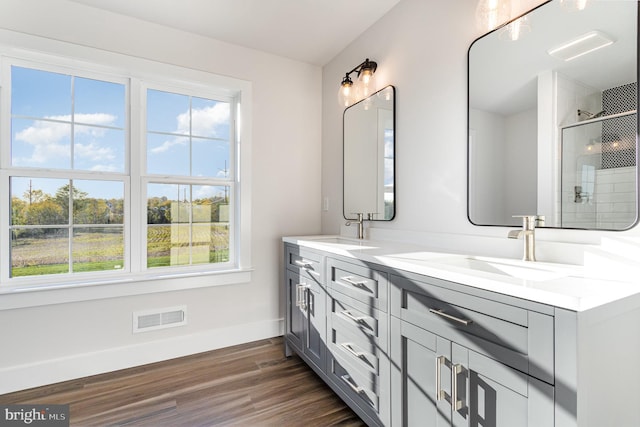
<point>344,169</point>
<point>496,30</point>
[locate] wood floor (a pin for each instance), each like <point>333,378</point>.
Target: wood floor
<point>247,385</point>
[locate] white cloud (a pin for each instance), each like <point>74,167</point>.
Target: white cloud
<point>170,143</point>
<point>50,140</point>
<point>204,120</point>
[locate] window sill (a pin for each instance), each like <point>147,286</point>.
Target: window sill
<point>18,296</point>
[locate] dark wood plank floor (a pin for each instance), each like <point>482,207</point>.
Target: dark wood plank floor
<point>247,385</point>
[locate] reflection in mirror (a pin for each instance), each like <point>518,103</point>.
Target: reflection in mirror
<point>552,119</point>
<point>369,145</point>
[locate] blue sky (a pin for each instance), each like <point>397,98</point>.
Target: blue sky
<point>42,108</point>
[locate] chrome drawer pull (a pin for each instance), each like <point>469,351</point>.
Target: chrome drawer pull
<point>347,379</point>
<point>303,263</point>
<point>450,317</point>
<point>352,282</point>
<point>300,295</point>
<point>440,361</point>
<point>347,346</point>
<point>346,313</point>
<point>456,404</point>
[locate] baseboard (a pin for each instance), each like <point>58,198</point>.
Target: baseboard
<point>21,377</point>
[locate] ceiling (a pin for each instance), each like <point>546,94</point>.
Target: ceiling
<point>312,31</point>
<point>504,74</point>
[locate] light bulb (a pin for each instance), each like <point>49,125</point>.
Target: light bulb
<point>346,92</point>
<point>366,83</point>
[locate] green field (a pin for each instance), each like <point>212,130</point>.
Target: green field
<point>103,249</point>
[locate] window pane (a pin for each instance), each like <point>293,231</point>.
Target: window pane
<point>99,102</point>
<point>40,144</point>
<point>167,155</point>
<point>210,158</point>
<point>98,202</point>
<point>98,249</point>
<point>41,94</point>
<point>37,251</point>
<point>98,149</point>
<point>168,224</point>
<point>211,223</point>
<point>209,118</point>
<point>39,201</point>
<point>167,112</point>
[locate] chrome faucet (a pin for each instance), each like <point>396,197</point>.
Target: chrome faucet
<point>360,223</point>
<point>528,233</point>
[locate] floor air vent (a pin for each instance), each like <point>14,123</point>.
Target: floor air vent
<point>151,320</point>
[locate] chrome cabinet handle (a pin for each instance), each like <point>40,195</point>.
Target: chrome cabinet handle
<point>303,263</point>
<point>440,393</point>
<point>456,404</point>
<point>347,346</point>
<point>301,289</point>
<point>347,314</point>
<point>303,296</point>
<point>347,379</point>
<point>465,322</point>
<point>352,282</point>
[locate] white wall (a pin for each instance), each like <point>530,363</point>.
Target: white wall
<point>62,341</point>
<point>421,48</point>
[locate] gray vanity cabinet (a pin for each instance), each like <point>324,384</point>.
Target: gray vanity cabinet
<point>306,296</point>
<point>461,360</point>
<point>357,336</point>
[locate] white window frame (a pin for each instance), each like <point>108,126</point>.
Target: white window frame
<point>145,178</point>
<point>137,278</point>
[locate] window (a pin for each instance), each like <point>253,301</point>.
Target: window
<point>63,217</point>
<point>189,144</point>
<point>89,182</point>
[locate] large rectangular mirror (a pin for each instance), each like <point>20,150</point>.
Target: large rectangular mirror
<point>369,151</point>
<point>552,121</point>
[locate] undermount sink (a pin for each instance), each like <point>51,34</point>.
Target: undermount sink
<point>343,243</point>
<point>527,270</point>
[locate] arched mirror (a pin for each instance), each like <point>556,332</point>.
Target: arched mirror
<point>552,118</point>
<point>369,151</point>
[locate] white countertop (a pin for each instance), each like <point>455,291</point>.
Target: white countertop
<point>560,285</point>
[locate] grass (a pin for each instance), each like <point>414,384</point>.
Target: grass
<point>103,250</point>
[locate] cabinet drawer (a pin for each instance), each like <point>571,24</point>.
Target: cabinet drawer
<point>358,387</point>
<point>307,263</point>
<point>517,337</point>
<point>359,353</point>
<point>359,282</point>
<point>356,336</point>
<point>346,313</point>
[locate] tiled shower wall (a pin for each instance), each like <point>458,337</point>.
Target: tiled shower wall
<point>611,202</point>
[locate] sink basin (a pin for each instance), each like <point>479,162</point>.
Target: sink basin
<point>342,243</point>
<point>533,271</point>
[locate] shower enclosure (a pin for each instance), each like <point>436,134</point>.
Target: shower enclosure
<point>599,168</point>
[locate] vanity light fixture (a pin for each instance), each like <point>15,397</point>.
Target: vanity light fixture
<point>349,92</point>
<point>586,43</point>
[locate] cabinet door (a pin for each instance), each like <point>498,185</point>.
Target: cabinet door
<point>315,323</point>
<point>419,376</point>
<point>491,394</point>
<point>295,317</point>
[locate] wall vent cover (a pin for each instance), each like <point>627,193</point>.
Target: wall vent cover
<point>151,320</point>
